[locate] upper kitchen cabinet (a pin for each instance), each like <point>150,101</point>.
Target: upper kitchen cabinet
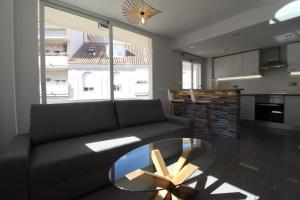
<point>293,57</point>
<point>243,64</point>
<point>251,63</point>
<point>237,65</point>
<point>223,67</point>
<point>218,67</point>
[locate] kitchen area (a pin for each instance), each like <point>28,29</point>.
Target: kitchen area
<point>269,81</point>
<point>262,61</point>
<point>257,128</point>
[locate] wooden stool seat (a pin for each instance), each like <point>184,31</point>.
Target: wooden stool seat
<point>203,102</point>
<point>177,101</point>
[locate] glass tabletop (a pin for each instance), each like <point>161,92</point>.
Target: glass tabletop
<point>162,164</point>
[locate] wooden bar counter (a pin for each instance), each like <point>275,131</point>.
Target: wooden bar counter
<point>224,109</point>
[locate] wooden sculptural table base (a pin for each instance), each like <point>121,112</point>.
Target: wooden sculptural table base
<point>168,183</point>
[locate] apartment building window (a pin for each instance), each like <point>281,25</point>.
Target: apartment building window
<point>118,52</point>
<point>58,82</point>
<point>88,82</point>
<point>75,55</point>
<point>117,88</point>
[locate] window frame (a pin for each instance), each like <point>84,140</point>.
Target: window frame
<point>199,72</point>
<point>92,16</point>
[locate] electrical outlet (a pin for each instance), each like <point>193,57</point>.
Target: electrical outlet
<point>292,84</point>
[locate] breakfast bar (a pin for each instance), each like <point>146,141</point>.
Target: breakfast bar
<point>222,114</point>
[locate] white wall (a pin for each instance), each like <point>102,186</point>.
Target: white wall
<point>26,59</point>
<point>271,82</point>
<point>166,69</point>
<point>7,85</point>
<point>19,78</point>
<point>207,71</point>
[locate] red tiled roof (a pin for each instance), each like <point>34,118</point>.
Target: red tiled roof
<point>135,55</point>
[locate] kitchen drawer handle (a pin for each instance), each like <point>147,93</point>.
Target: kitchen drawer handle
<point>270,105</point>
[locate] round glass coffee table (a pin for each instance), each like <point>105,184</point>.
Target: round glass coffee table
<point>163,167</point>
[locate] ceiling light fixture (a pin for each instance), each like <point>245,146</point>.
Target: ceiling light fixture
<point>235,34</point>
<point>287,12</point>
<point>137,11</point>
<point>239,78</point>
<point>287,37</point>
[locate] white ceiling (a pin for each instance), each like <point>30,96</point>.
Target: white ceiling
<point>254,37</point>
<point>178,17</point>
<point>187,21</point>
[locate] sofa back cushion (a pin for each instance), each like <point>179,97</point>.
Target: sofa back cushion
<point>137,112</point>
<point>52,122</point>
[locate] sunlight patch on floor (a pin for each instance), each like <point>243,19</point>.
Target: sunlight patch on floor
<point>228,188</point>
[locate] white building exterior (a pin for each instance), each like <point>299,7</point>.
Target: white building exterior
<point>77,67</point>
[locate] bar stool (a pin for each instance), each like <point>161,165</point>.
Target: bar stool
<point>206,104</point>
<point>173,102</point>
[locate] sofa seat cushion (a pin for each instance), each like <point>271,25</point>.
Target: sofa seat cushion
<point>58,162</point>
<point>52,122</point>
<point>138,112</point>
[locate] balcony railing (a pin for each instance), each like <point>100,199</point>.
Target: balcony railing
<point>55,34</point>
<point>57,89</point>
<point>57,61</point>
<point>56,54</point>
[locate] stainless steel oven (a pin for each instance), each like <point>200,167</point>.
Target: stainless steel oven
<point>269,108</point>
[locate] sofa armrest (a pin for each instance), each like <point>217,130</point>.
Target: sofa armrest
<point>180,120</point>
<point>14,167</point>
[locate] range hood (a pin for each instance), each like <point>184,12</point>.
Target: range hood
<point>270,58</point>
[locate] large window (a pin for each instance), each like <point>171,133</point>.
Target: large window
<point>75,60</point>
<point>131,65</point>
<point>191,75</point>
<point>186,75</point>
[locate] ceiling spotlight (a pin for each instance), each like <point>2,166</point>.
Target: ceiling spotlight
<point>286,37</point>
<point>236,34</point>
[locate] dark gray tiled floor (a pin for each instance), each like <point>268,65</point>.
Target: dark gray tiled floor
<point>263,164</point>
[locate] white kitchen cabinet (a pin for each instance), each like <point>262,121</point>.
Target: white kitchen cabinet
<point>237,65</point>
<point>218,67</point>
<point>293,57</point>
<point>227,60</point>
<point>247,109</point>
<point>292,110</point>
<point>223,67</point>
<point>244,64</point>
<point>251,63</point>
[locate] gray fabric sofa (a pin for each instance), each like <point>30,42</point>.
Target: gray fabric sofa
<point>70,147</point>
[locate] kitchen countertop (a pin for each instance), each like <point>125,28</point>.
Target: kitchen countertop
<point>184,93</point>
<point>256,94</point>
